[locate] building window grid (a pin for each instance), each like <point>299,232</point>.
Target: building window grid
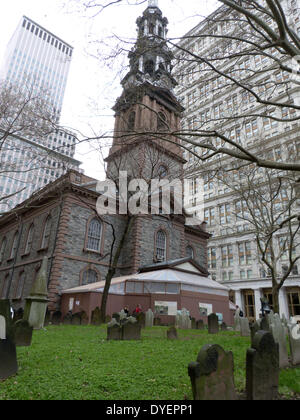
<point>94,235</point>
<point>161,245</point>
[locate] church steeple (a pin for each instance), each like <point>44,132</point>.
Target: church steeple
<point>150,58</point>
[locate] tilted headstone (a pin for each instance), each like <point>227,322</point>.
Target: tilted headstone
<point>8,353</point>
<point>213,324</point>
<point>262,368</point>
<point>96,317</point>
<point>149,318</point>
<point>131,330</point>
<point>114,330</point>
<point>212,374</point>
<point>172,333</point>
<point>294,339</point>
<point>23,333</point>
<point>279,333</point>
<point>200,324</point>
<point>37,301</point>
<point>245,328</point>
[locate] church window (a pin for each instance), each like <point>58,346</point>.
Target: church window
<point>46,233</point>
<point>94,235</point>
<point>161,245</point>
<point>149,67</point>
<point>162,171</point>
<point>29,239</point>
<point>20,286</point>
<point>189,251</point>
<point>14,246</point>
<point>89,276</point>
<point>2,250</point>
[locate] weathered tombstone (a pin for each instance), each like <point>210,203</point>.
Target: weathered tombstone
<point>84,318</point>
<point>8,353</point>
<point>156,321</point>
<point>96,317</point>
<point>56,318</point>
<point>279,333</point>
<point>37,301</point>
<point>23,333</point>
<point>200,324</point>
<point>172,333</point>
<point>149,318</point>
<point>212,374</point>
<point>245,328</point>
<point>131,330</point>
<point>294,340</point>
<point>223,326</point>
<point>255,327</point>
<point>141,319</point>
<point>264,323</point>
<point>67,320</point>
<point>213,324</point>
<point>114,330</point>
<point>237,324</point>
<point>262,368</point>
<point>183,320</point>
<point>76,319</point>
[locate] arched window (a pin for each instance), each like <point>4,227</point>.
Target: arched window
<point>4,287</point>
<point>3,249</point>
<point>189,251</point>
<point>149,67</point>
<point>20,286</point>
<point>162,171</point>
<point>89,276</point>
<point>162,122</point>
<point>131,121</point>
<point>14,246</point>
<point>161,245</point>
<point>94,235</point>
<point>46,233</point>
<point>29,239</point>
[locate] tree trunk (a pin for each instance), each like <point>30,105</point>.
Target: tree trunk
<point>112,269</point>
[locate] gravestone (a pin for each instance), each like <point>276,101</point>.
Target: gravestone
<point>18,314</point>
<point>212,374</point>
<point>223,326</point>
<point>141,319</point>
<point>76,319</point>
<point>172,333</point>
<point>84,318</point>
<point>56,318</point>
<point>245,328</point>
<point>237,324</point>
<point>23,333</point>
<point>278,331</point>
<point>131,330</point>
<point>96,317</point>
<point>183,320</point>
<point>149,318</point>
<point>156,321</point>
<point>262,368</point>
<point>213,324</point>
<point>294,340</point>
<point>8,353</point>
<point>200,324</point>
<point>265,324</point>
<point>255,327</point>
<point>68,318</point>
<point>114,331</point>
<point>37,301</point>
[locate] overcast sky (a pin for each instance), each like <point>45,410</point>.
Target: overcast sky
<point>91,85</point>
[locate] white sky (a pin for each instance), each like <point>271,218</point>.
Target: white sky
<point>90,82</point>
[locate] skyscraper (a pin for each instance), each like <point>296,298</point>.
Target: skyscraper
<point>37,60</point>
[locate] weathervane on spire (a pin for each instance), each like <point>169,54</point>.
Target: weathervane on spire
<point>152,3</point>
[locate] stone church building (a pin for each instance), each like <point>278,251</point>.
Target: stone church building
<point>62,223</point>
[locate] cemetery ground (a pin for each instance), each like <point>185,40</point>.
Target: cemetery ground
<point>78,363</point>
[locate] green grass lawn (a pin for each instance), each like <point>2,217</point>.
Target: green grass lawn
<point>78,363</point>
